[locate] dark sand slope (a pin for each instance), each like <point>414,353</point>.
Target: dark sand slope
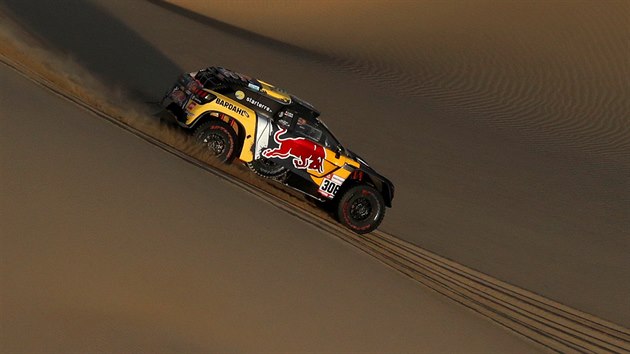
<point>542,213</point>
<point>109,244</point>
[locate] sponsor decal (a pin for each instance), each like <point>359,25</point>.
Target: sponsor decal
<point>258,104</point>
<point>283,122</point>
<point>330,186</point>
<point>239,95</point>
<point>232,107</point>
<point>306,154</point>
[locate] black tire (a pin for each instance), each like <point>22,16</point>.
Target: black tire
<point>268,169</point>
<point>219,139</point>
<point>361,208</point>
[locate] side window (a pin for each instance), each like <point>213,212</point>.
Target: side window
<point>307,130</point>
<point>285,117</point>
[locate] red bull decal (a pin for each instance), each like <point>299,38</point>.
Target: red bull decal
<point>306,154</point>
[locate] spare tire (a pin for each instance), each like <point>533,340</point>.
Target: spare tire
<point>267,168</point>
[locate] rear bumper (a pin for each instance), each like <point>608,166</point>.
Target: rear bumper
<point>175,106</point>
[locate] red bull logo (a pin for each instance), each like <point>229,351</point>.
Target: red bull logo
<point>306,154</point>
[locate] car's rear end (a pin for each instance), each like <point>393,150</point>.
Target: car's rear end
<point>184,97</point>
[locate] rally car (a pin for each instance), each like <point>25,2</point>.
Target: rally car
<point>279,137</point>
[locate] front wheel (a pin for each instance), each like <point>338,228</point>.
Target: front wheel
<point>218,138</point>
<point>361,209</point>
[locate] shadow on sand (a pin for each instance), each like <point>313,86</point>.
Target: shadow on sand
<point>102,44</point>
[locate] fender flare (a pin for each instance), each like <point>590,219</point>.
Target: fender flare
<point>371,177</point>
<point>214,115</point>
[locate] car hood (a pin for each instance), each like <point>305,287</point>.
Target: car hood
<point>353,155</point>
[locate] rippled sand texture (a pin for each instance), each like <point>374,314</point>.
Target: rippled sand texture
<point>553,73</point>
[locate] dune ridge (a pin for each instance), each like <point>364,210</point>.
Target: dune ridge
<point>542,321</point>
<point>520,209</point>
<point>555,76</point>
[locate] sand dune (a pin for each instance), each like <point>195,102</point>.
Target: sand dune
<point>554,73</point>
<point>515,119</point>
<point>512,195</point>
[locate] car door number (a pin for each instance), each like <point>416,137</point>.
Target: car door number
<point>330,186</point>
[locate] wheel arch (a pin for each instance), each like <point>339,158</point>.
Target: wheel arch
<point>358,176</point>
<point>238,128</point>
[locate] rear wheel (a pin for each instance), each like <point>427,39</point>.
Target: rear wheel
<point>361,208</point>
<point>267,168</point>
<point>218,138</point>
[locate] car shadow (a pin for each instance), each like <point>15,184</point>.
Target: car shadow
<point>99,42</point>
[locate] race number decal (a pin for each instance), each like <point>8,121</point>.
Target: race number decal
<point>330,186</point>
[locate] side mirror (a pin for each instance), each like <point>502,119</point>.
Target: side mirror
<point>338,152</point>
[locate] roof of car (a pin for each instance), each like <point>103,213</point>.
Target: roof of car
<point>232,78</point>
<point>273,92</point>
<point>305,106</point>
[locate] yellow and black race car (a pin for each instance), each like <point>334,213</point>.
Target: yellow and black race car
<point>280,137</point>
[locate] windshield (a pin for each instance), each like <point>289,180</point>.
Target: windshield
<point>328,139</point>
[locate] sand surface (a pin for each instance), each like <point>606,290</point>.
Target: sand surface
<point>510,142</point>
<point>112,245</point>
<point>504,127</point>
